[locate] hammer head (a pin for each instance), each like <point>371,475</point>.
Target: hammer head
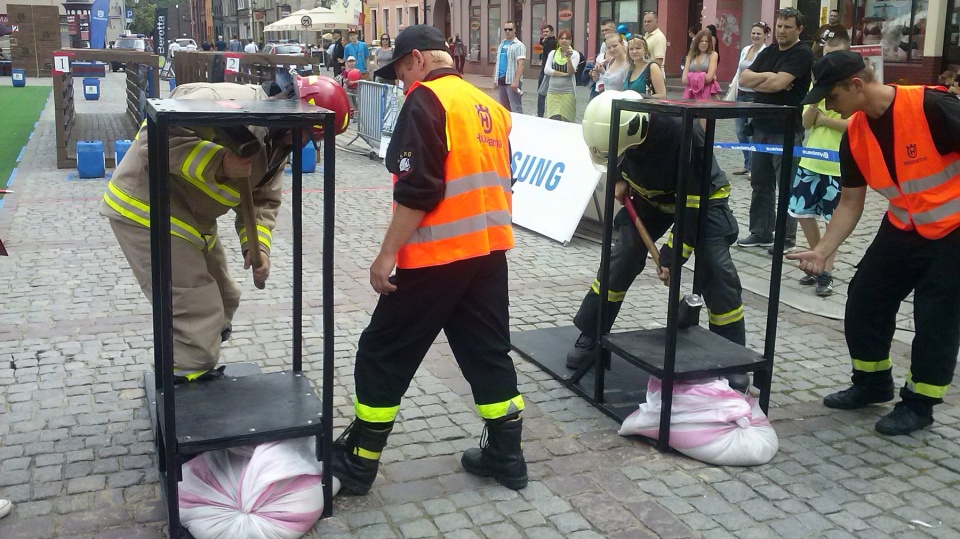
<point>689,312</point>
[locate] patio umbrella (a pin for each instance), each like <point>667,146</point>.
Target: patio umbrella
<point>299,21</point>
<point>5,30</point>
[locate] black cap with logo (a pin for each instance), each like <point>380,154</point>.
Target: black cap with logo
<point>831,69</point>
<point>421,37</point>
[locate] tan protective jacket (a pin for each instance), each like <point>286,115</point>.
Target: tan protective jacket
<point>199,192</point>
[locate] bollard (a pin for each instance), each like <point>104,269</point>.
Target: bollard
<point>19,77</point>
<point>309,161</point>
<point>91,89</point>
<point>90,161</point>
<point>120,148</point>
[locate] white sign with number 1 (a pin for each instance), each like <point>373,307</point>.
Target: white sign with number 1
<point>61,64</point>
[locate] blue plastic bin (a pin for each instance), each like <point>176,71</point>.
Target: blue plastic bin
<point>120,148</point>
<point>19,77</point>
<point>173,83</point>
<point>91,89</point>
<point>309,161</point>
<point>90,162</point>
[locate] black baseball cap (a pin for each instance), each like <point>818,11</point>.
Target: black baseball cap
<point>421,37</point>
<point>831,69</point>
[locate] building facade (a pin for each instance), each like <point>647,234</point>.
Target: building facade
<point>920,38</point>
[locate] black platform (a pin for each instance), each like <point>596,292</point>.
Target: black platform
<point>625,384</point>
<point>275,406</point>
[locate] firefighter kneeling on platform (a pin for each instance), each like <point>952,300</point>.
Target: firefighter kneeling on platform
<point>650,153</point>
<point>206,179</point>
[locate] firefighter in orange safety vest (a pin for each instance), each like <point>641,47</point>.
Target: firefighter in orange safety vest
<point>904,142</point>
<point>448,239</point>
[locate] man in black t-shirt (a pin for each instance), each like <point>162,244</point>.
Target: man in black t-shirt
<point>905,142</point>
<point>832,29</point>
<point>549,44</point>
<point>780,76</point>
<point>338,59</point>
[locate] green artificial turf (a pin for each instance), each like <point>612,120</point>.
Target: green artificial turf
<point>20,109</point>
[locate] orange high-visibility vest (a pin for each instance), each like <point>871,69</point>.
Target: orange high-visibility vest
<point>927,197</point>
<point>473,218</point>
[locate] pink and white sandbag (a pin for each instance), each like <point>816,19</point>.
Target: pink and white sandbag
<point>709,422</point>
<point>268,491</point>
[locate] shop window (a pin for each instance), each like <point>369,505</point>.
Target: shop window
<point>493,33</point>
<point>473,38</point>
<point>898,26</point>
<point>565,19</point>
<point>538,16</point>
<point>951,37</point>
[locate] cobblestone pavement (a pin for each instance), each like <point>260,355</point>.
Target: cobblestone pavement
<point>77,452</point>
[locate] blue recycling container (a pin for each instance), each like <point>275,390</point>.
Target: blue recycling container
<point>91,89</point>
<point>309,161</point>
<point>19,77</point>
<point>173,83</point>
<point>90,162</point>
<point>120,148</point>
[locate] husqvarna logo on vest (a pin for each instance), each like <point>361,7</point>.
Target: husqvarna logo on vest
<point>912,151</point>
<point>486,122</point>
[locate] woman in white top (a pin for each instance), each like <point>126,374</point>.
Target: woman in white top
<point>561,67</point>
<point>611,73</point>
<point>758,40</point>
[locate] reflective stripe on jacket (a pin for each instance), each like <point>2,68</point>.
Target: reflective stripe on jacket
<point>927,195</point>
<point>138,211</point>
<point>473,218</point>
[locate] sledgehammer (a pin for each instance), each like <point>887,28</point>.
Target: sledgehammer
<point>689,312</point>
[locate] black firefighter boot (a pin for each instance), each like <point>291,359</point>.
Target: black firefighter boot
<point>356,455</point>
<point>500,454</point>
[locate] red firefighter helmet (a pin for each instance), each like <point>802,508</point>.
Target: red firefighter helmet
<point>326,93</point>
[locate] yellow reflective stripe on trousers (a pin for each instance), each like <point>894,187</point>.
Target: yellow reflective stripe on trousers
<point>612,295</point>
<point>872,366</point>
<point>375,415</point>
<point>366,453</point>
<point>263,233</point>
<point>927,390</point>
<point>500,409</point>
<point>725,319</point>
<point>139,212</point>
<point>194,167</point>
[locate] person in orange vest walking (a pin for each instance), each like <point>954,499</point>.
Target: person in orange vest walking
<point>448,239</point>
<point>904,142</point>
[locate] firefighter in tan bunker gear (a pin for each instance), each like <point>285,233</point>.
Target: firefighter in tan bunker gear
<point>204,184</point>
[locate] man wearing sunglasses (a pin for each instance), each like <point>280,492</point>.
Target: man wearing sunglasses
<point>508,74</point>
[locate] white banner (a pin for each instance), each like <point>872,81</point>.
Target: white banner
<point>555,177</point>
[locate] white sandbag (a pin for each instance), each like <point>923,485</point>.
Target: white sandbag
<point>270,491</point>
<point>709,422</point>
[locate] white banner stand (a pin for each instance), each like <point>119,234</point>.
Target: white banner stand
<point>555,177</point>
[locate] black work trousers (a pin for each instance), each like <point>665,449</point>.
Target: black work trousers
<point>764,179</point>
<point>721,284</point>
<point>897,263</point>
<point>469,300</point>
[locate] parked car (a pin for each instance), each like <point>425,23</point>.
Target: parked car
<point>187,44</point>
<point>287,49</point>
<point>130,42</point>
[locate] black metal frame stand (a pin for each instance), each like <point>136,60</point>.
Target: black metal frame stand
<point>693,353</point>
<point>251,409</point>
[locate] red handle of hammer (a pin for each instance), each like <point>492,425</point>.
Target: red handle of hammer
<point>644,235</point>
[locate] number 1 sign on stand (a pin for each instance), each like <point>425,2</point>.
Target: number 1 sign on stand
<point>61,64</point>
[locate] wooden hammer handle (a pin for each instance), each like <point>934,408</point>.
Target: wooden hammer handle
<point>250,223</point>
<point>644,235</point>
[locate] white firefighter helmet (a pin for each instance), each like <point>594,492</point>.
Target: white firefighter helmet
<point>596,126</point>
